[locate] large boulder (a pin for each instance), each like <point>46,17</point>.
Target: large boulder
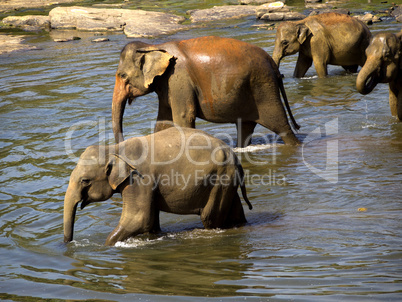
<point>222,12</point>
<point>134,23</point>
<point>397,13</point>
<point>13,5</point>
<point>29,22</point>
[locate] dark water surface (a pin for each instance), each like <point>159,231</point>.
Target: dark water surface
<point>326,223</point>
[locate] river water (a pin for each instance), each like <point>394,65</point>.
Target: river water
<point>326,223</point>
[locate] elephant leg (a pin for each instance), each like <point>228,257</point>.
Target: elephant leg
<point>303,64</point>
<point>215,212</point>
<point>156,226</point>
<point>235,216</point>
<point>138,214</point>
<point>395,98</point>
<point>278,123</point>
<point>244,133</point>
<point>352,68</point>
<point>164,119</point>
<point>320,68</point>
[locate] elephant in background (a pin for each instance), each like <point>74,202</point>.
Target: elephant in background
<point>217,79</point>
<point>384,65</point>
<point>328,38</point>
<point>177,170</point>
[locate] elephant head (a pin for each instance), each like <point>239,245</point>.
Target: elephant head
<point>96,177</point>
<point>139,65</point>
<point>383,62</point>
<point>289,37</point>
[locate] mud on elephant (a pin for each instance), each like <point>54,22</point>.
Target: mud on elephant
<point>384,65</point>
<point>323,39</point>
<point>177,170</point>
<point>217,79</point>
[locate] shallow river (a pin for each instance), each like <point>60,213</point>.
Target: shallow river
<point>326,223</point>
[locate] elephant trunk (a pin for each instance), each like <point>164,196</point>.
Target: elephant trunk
<point>368,77</point>
<point>120,97</point>
<point>277,56</point>
<point>71,201</point>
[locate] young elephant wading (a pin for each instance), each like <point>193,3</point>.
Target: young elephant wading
<point>217,79</point>
<point>323,39</point>
<point>177,170</point>
<point>384,65</point>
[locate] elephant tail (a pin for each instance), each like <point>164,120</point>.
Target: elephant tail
<point>285,100</point>
<point>240,174</point>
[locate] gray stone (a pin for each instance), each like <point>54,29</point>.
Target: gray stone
<point>222,12</point>
<point>12,5</point>
<point>248,2</point>
<point>100,40</point>
<point>13,43</point>
<point>134,23</point>
<point>29,22</point>
<point>397,13</point>
<point>266,9</point>
<point>368,18</point>
<point>282,16</point>
<point>335,10</point>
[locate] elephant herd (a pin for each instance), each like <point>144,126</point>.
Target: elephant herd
<point>181,170</point>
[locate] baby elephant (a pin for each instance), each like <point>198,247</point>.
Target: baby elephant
<point>177,170</point>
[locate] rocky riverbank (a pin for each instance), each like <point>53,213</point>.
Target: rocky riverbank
<point>141,23</point>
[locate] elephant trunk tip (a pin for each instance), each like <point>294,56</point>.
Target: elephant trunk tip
<point>365,85</point>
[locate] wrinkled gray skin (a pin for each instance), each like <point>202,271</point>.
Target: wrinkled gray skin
<point>384,65</point>
<point>177,170</point>
<point>217,79</point>
<point>323,39</point>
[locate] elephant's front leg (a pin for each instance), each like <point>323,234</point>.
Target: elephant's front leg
<point>395,98</point>
<point>164,119</point>
<point>138,213</point>
<point>303,64</point>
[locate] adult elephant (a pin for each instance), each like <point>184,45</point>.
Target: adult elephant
<point>217,79</point>
<point>384,65</point>
<point>328,38</point>
<point>177,170</point>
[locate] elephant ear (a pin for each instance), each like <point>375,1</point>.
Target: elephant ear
<point>154,62</point>
<point>302,33</point>
<point>318,30</point>
<point>118,169</point>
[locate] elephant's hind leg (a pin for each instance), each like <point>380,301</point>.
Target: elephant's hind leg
<point>235,217</point>
<point>244,133</point>
<point>215,212</point>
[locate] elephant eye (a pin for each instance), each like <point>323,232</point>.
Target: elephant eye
<point>285,42</point>
<point>123,76</point>
<point>85,181</point>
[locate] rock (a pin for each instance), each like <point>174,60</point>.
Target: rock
<point>13,43</point>
<point>12,5</point>
<point>397,13</point>
<point>134,23</point>
<point>324,11</point>
<point>222,12</point>
<point>29,22</point>
<point>368,18</point>
<point>248,2</point>
<point>100,40</point>
<point>271,8</point>
<point>282,16</point>
<point>66,39</point>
